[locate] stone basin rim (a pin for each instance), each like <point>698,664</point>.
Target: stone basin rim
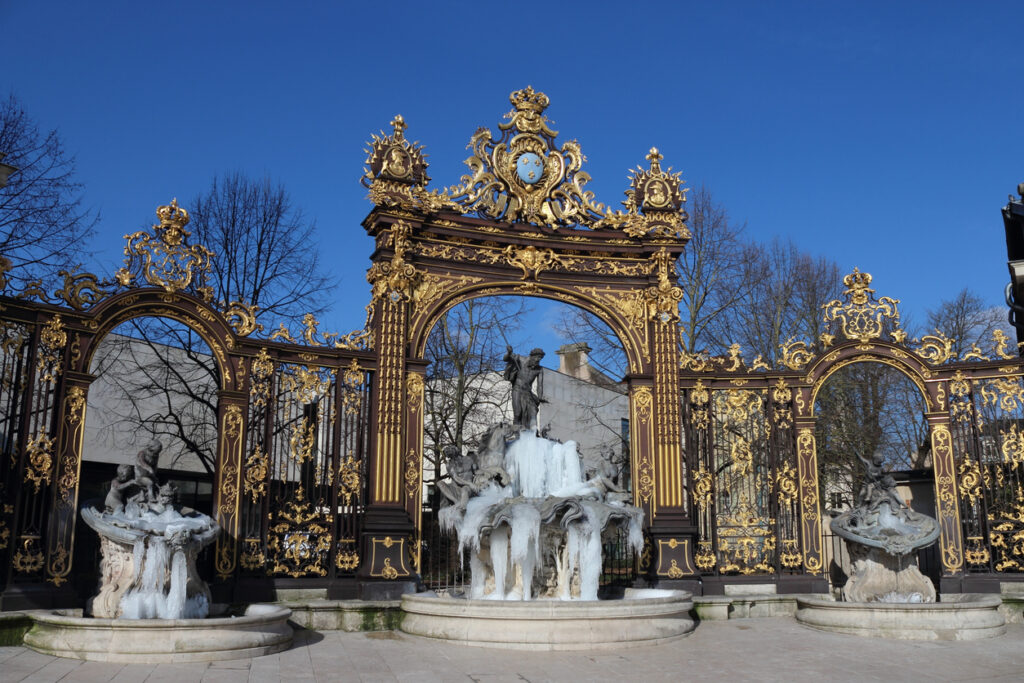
<point>554,603</point>
<point>61,618</point>
<point>984,602</point>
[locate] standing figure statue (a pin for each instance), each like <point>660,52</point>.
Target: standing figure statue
<point>521,373</point>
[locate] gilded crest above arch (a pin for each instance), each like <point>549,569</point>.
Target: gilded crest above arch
<point>522,175</point>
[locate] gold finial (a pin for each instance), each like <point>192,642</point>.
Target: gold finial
<point>398,123</point>
<point>655,157</point>
<point>529,100</point>
<point>173,220</point>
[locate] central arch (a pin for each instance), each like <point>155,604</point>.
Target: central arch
<point>635,356</point>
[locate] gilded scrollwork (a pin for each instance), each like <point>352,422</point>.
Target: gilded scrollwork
<point>349,478</point>
<point>242,317</point>
<point>795,354</point>
<point>936,348</point>
<point>786,483</point>
<point>257,467</point>
<point>643,400</point>
<point>860,316</point>
<point>705,557</point>
<point>1007,393</point>
<point>260,375</point>
<point>28,559</point>
<point>164,258</point>
<point>703,487</point>
<point>746,542</point>
<point>414,391</point>
<point>970,481</point>
<point>39,463</point>
<point>999,340</point>
<point>300,540</point>
<point>80,290</point>
<point>252,558</point>
<point>353,379</point>
<point>346,560</point>
<point>522,176</point>
<point>53,338</point>
<point>663,299</point>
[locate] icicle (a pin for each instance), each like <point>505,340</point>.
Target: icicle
<point>499,560</point>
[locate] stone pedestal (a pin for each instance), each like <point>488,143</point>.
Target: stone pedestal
<point>879,576</point>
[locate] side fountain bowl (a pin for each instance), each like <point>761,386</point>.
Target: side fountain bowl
<point>971,619</point>
<point>152,605</point>
<point>641,617</point>
<point>260,630</point>
<point>886,594</point>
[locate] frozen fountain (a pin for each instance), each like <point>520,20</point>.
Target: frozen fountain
<point>152,606</point>
<point>886,593</point>
<point>534,527</point>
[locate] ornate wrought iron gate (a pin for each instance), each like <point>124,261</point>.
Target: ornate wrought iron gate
<point>320,436</point>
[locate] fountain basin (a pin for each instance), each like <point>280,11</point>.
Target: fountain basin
<point>641,617</point>
<point>972,619</point>
<point>261,630</point>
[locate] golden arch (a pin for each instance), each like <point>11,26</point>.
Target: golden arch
<point>186,309</point>
<point>631,345</point>
<point>902,361</point>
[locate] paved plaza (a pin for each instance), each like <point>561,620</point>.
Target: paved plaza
<point>738,650</point>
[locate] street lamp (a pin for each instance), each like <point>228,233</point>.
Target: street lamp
<point>5,170</point>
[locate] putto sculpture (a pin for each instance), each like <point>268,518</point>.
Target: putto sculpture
<point>148,547</point>
<point>882,534</point>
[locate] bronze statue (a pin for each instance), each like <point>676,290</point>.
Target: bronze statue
<point>522,373</point>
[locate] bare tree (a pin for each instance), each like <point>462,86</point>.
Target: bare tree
<point>967,320</point>
<point>267,249</point>
<point>267,256</point>
<point>43,226</point>
<point>710,270</point>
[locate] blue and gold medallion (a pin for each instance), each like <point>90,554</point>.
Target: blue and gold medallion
<point>529,168</point>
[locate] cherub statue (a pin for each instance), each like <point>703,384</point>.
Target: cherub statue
<point>145,472</point>
<point>114,502</point>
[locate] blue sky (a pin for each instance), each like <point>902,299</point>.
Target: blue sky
<point>884,135</point>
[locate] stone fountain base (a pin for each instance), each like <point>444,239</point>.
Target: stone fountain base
<point>261,630</point>
<point>971,619</point>
<point>641,617</point>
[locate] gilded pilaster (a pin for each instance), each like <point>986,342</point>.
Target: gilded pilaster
<point>947,508</point>
<point>226,493</point>
<point>810,505</point>
<point>641,442</point>
<point>60,536</point>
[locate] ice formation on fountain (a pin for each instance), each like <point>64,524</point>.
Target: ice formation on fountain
<point>882,534</point>
<point>148,548</point>
<point>524,510</point>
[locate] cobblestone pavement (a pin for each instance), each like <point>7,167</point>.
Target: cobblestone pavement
<point>738,650</point>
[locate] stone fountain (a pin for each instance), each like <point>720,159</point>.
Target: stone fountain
<point>534,527</point>
<point>151,605</point>
<point>886,594</point>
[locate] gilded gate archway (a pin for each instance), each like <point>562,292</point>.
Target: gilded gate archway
<point>521,223</point>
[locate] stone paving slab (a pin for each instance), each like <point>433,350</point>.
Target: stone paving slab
<point>774,649</point>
